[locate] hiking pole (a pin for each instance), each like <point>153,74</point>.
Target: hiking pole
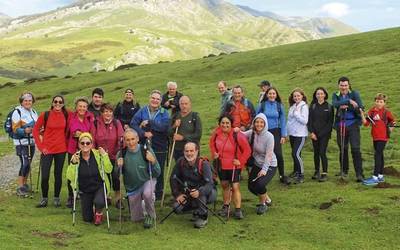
<point>233,178</point>
<point>342,141</point>
<point>105,190</point>
<point>75,189</point>
<point>38,177</point>
<point>121,144</point>
<point>30,164</point>
<point>146,148</point>
<point>168,168</point>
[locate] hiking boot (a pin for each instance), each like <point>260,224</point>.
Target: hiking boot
<point>70,202</point>
<point>200,222</point>
<point>373,180</point>
<point>21,192</point>
<point>27,187</point>
<point>238,214</point>
<point>261,208</point>
<point>316,176</point>
<point>119,204</point>
<point>268,202</point>
<point>148,222</point>
<point>299,179</point>
<point>195,216</point>
<point>344,174</point>
<point>360,178</point>
<point>42,203</point>
<point>381,178</point>
<point>109,201</point>
<point>98,218</point>
<point>224,211</point>
<point>323,177</point>
<point>57,202</point>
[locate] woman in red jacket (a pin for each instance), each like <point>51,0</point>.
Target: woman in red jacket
<point>108,134</point>
<point>50,137</point>
<point>231,150</point>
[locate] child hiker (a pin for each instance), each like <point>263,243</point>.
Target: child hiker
<point>382,123</point>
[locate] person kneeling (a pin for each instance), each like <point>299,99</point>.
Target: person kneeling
<point>87,170</point>
<point>192,184</point>
<point>140,170</point>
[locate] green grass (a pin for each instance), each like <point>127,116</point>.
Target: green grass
<point>366,219</point>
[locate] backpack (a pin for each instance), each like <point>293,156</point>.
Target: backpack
<point>46,117</point>
<point>8,124</point>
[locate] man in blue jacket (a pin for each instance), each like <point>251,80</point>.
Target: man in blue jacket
<point>151,123</point>
<point>347,103</point>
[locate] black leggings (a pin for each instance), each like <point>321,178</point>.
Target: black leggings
<point>320,146</point>
<point>276,132</point>
<point>379,146</point>
<point>88,200</point>
<point>297,144</point>
<point>259,186</point>
<point>23,154</point>
<point>45,163</point>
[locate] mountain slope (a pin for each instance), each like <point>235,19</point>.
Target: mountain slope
<point>4,19</point>
<point>317,27</point>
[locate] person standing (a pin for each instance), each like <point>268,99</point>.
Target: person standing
<point>151,122</point>
<point>188,124</point>
<point>347,103</point>
<point>297,130</point>
<point>50,133</point>
<point>241,109</point>
<point>320,123</point>
<point>23,119</point>
<point>170,100</point>
<point>97,101</point>
<point>264,86</point>
<point>382,124</point>
<point>225,93</point>
<point>272,107</point>
<point>125,110</point>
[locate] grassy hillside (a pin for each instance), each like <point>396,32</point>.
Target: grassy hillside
<point>366,219</point>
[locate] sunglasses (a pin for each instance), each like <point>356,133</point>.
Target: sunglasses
<point>58,102</point>
<point>87,143</point>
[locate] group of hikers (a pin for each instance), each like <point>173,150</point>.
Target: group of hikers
<point>103,143</point>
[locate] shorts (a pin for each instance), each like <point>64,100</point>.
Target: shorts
<point>226,175</point>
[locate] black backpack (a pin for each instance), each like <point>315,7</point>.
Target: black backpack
<point>8,124</point>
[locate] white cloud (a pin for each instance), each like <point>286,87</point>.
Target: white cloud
<point>335,9</point>
<point>390,9</point>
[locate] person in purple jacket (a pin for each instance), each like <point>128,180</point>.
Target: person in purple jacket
<point>108,134</point>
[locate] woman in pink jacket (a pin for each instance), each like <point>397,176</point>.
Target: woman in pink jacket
<point>230,150</point>
<point>79,122</point>
<point>108,134</point>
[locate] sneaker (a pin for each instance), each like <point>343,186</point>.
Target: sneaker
<point>381,179</point>
<point>27,187</point>
<point>42,203</point>
<point>268,202</point>
<point>98,218</point>
<point>359,178</point>
<point>148,222</point>
<point>373,180</point>
<point>119,204</point>
<point>57,202</point>
<point>293,174</point>
<point>323,177</point>
<point>224,211</point>
<point>299,179</point>
<point>316,176</point>
<point>200,222</point>
<point>70,202</point>
<point>261,209</point>
<point>21,192</point>
<point>344,174</point>
<point>238,214</point>
<point>195,217</point>
<point>285,180</point>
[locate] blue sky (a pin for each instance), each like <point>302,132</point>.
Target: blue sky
<point>364,15</point>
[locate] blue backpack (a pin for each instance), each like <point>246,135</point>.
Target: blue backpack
<point>8,124</point>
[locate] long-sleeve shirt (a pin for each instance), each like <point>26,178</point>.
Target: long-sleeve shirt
<point>320,119</point>
<point>275,113</point>
<point>298,119</point>
<point>190,129</point>
<point>229,149</point>
<point>124,111</point>
<point>54,139</point>
<point>382,119</point>
<point>108,136</point>
<point>74,125</point>
<point>350,115</point>
<point>21,120</point>
<point>196,176</point>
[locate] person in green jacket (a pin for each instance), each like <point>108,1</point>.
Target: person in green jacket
<point>86,175</point>
<point>140,170</point>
